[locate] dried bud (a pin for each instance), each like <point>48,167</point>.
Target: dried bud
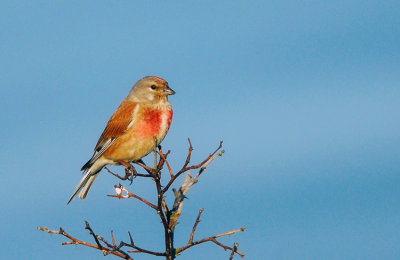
<point>118,190</point>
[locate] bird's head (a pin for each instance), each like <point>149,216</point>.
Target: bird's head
<point>150,89</point>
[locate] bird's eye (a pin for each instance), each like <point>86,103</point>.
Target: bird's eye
<point>153,87</point>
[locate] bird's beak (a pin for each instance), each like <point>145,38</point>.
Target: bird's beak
<point>168,91</point>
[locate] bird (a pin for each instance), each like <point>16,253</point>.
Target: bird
<point>138,125</point>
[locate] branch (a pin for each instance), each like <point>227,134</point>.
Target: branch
<point>164,159</point>
<point>76,241</point>
<point>184,189</point>
<point>234,250</point>
<point>168,217</point>
<point>119,189</point>
<point>128,175</point>
<point>147,168</point>
<point>160,211</point>
<point>87,226</point>
<point>139,249</point>
<point>185,168</point>
<point>195,226</point>
<point>189,154</point>
<point>161,205</point>
<point>213,239</point>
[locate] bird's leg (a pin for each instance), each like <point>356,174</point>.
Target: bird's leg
<point>130,171</point>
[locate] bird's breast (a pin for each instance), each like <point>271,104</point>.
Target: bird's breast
<point>138,140</point>
<point>154,123</point>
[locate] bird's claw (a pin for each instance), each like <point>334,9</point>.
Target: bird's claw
<point>130,173</point>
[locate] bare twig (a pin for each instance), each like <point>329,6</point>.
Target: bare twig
<point>75,241</point>
<point>185,168</point>
<point>163,218</point>
<point>161,205</point>
<point>168,217</point>
<point>195,226</point>
<point>184,189</point>
<point>155,153</point>
<point>189,155</point>
<point>234,250</point>
<point>114,247</point>
<point>129,195</point>
<point>113,240</point>
<point>127,174</point>
<point>213,239</point>
<point>147,168</point>
<point>139,249</point>
<point>164,159</point>
<point>87,226</point>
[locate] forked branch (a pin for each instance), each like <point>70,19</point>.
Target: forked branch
<point>169,217</point>
<point>185,167</point>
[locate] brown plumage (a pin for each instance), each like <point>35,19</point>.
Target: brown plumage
<point>118,122</point>
<point>143,117</point>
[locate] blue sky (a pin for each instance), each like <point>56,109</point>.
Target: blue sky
<point>305,95</point>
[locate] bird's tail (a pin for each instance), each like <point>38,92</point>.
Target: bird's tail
<point>86,182</point>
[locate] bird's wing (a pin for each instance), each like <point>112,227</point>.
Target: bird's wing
<point>116,126</point>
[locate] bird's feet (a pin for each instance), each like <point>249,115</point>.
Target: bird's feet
<point>130,171</point>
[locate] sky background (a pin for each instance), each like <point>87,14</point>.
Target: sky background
<point>304,94</point>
